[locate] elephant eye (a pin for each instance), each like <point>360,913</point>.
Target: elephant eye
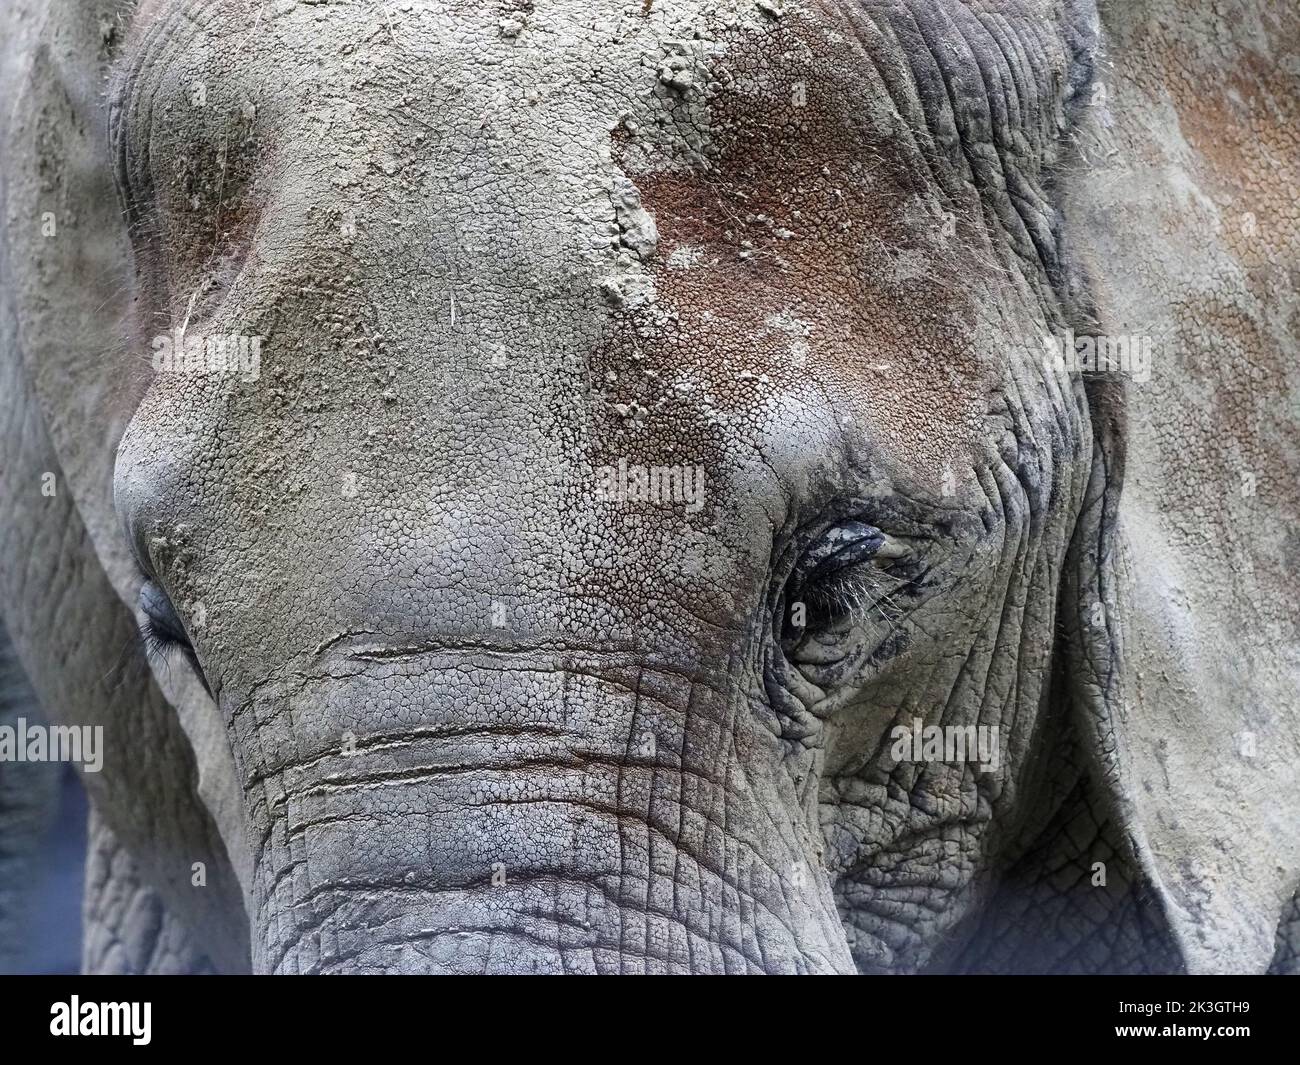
<point>846,572</point>
<point>162,628</point>
<point>162,625</point>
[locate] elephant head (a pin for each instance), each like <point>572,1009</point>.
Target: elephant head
<point>621,487</point>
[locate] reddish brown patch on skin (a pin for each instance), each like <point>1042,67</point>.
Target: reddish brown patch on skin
<point>1242,127</point>
<point>1247,135</point>
<point>809,214</point>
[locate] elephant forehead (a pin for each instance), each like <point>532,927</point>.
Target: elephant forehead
<point>688,219</point>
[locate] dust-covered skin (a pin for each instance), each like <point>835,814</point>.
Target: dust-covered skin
<point>469,714</point>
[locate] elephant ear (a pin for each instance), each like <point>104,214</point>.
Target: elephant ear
<point>1188,578</point>
<point>70,276</point>
<point>67,285</point>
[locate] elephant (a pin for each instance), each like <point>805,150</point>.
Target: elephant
<point>720,486</point>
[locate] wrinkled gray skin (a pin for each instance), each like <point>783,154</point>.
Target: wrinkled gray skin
<point>467,716</point>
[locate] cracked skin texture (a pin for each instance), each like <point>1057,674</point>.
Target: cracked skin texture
<point>475,718</point>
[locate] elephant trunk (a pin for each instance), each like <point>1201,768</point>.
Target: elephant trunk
<point>440,811</point>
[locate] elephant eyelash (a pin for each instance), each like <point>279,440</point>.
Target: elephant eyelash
<point>155,644</point>
<point>157,648</point>
<point>144,649</point>
<point>161,632</point>
<point>863,594</point>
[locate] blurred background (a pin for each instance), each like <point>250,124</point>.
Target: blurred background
<point>54,942</point>
<point>42,846</point>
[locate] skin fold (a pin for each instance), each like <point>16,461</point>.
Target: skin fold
<point>425,698</point>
